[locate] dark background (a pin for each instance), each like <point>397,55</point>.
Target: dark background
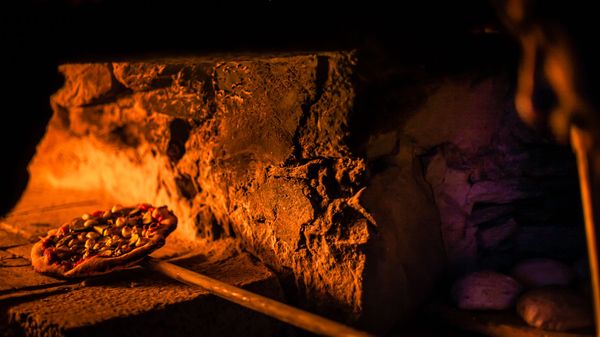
<point>37,36</point>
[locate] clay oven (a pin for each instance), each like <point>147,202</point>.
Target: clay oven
<point>352,182</point>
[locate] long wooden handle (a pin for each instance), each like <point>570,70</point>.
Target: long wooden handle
<point>264,305</point>
<point>581,144</point>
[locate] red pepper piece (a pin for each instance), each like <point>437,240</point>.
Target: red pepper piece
<point>50,255</point>
<point>66,264</point>
<point>46,243</point>
<point>64,229</point>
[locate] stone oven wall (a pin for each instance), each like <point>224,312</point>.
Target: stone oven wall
<point>359,190</point>
<point>515,198</point>
<point>256,148</point>
<point>504,191</point>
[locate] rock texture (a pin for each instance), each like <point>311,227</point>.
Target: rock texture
<point>352,180</point>
<point>138,302</point>
<point>497,323</point>
<point>542,272</point>
<point>134,302</point>
<point>257,148</point>
<point>504,191</point>
<point>555,308</point>
<point>485,290</point>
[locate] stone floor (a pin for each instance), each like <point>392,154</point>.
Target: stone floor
<point>494,323</point>
<point>138,302</point>
<point>133,302</point>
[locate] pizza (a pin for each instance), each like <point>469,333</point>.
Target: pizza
<point>103,241</point>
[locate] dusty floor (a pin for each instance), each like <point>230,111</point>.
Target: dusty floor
<point>137,302</point>
<point>132,302</point>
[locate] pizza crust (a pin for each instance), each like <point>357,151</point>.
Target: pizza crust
<point>42,266</point>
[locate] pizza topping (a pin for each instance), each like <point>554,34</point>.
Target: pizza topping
<point>120,222</point>
<point>104,234</point>
<point>126,232</point>
<point>168,221</point>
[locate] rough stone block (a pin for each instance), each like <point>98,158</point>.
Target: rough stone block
<point>555,308</point>
<point>535,273</point>
<point>140,303</point>
<point>131,303</point>
<point>16,274</point>
<point>491,238</point>
<point>485,290</point>
<point>262,148</point>
<point>9,240</point>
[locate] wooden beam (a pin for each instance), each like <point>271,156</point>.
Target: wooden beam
<point>581,142</point>
<point>283,312</point>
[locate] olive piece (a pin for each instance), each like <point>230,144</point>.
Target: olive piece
<point>61,243</point>
<point>105,253</point>
<point>78,225</point>
<point>126,232</point>
<point>134,238</point>
<point>120,221</point>
<point>90,243</point>
<point>162,211</point>
<point>170,220</point>
<point>73,242</point>
<point>102,229</point>
<point>90,223</point>
<point>135,211</point>
<point>147,218</point>
<point>141,242</point>
<point>92,235</point>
